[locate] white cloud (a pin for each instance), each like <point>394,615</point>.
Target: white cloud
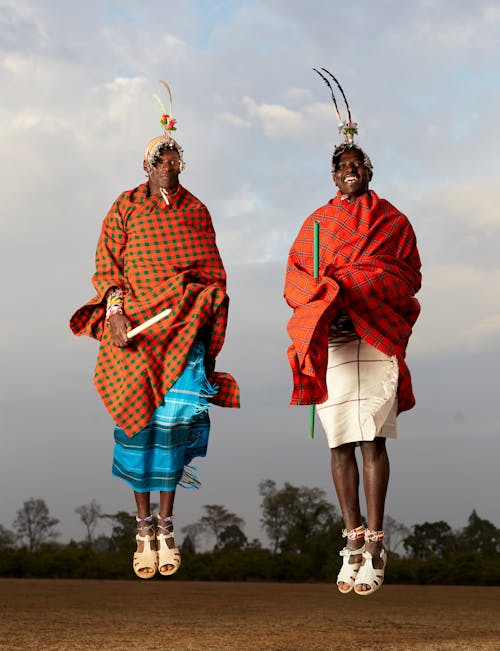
<point>460,310</point>
<point>22,25</point>
<point>257,126</point>
<point>276,120</point>
<point>235,120</point>
<point>115,102</point>
<point>31,119</point>
<point>478,32</point>
<point>280,122</point>
<point>241,204</point>
<point>475,203</point>
<point>298,96</point>
<point>457,223</point>
<point>176,49</point>
<point>487,327</point>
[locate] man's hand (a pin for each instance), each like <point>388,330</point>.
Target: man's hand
<point>118,326</point>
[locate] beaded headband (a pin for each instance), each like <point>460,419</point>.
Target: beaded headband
<point>168,123</point>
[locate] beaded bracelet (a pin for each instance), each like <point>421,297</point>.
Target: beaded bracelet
<point>114,301</point>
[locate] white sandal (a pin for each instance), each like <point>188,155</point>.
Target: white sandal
<point>349,571</point>
<point>145,563</point>
<point>167,556</point>
<point>369,575</point>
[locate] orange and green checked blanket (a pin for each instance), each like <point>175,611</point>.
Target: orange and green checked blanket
<point>161,256</point>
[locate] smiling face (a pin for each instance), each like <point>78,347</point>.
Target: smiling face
<point>350,174</point>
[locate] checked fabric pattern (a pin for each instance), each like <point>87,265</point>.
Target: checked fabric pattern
<point>369,267</point>
<point>161,256</point>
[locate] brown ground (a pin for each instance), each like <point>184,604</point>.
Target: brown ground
<point>129,615</point>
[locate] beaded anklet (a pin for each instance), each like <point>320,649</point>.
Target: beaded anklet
<point>354,534</point>
<point>374,536</point>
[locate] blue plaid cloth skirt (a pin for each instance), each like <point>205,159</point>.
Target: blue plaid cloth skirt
<point>158,458</point>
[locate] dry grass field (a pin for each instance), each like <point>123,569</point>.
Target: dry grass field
<point>179,616</point>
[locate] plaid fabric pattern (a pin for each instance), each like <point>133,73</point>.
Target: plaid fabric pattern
<point>369,268</point>
<point>161,256</point>
<point>158,457</point>
<point>362,385</point>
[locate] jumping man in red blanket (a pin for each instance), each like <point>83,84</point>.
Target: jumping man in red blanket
<point>349,332</point>
<point>157,250</point>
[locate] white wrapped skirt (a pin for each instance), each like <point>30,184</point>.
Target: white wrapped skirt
<point>362,392</point>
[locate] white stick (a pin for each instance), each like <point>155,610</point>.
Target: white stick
<point>149,322</point>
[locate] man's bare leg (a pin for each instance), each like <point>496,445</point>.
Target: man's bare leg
<point>346,481</point>
<point>142,501</point>
<point>167,503</point>
<point>167,511</point>
<point>376,471</point>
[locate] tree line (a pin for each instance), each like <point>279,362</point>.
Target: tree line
<point>302,527</point>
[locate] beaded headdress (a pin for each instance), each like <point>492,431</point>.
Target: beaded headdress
<point>347,128</point>
<point>164,141</point>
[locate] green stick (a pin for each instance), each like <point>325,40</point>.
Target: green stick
<point>312,409</point>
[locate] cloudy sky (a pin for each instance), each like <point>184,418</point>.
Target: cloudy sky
<point>257,128</point>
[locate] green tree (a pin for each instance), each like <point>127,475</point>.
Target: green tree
<point>216,519</point>
<point>123,532</point>
<point>34,524</point>
<point>276,507</point>
<point>187,546</point>
<point>431,539</point>
<point>232,538</point>
<point>89,515</point>
<point>255,543</point>
<point>7,538</point>
<point>296,517</point>
<point>394,534</point>
<point>192,533</point>
<point>480,536</point>
<point>101,543</point>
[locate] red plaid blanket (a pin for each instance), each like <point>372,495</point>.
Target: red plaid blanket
<point>369,268</point>
<point>161,256</point>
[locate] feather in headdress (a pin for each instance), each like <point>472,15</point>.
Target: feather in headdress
<point>167,120</point>
<point>346,127</point>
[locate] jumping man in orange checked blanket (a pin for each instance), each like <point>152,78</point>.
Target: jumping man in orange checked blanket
<point>157,250</point>
<point>349,331</point>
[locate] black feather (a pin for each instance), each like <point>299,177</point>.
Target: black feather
<point>340,88</point>
<point>331,90</point>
